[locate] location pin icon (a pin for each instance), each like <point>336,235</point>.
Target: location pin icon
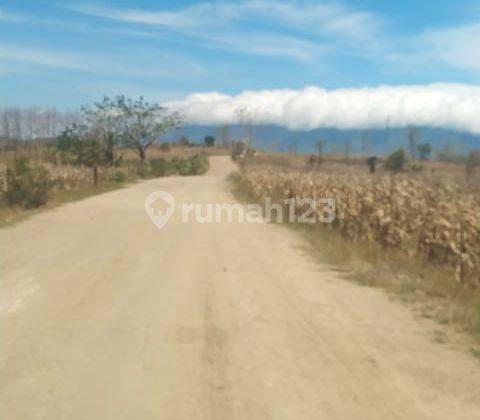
<point>160,206</point>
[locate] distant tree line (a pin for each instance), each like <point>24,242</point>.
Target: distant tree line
<point>34,122</point>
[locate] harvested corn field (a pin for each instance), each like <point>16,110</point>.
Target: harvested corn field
<point>430,218</point>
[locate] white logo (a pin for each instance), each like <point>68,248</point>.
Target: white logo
<point>160,206</point>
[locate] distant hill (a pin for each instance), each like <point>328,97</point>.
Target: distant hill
<point>375,141</point>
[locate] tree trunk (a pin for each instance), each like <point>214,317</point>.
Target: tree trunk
<point>109,154</point>
<point>141,152</point>
<point>95,175</point>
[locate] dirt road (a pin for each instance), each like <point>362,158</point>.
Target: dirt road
<point>104,316</point>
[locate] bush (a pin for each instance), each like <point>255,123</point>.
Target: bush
<point>199,164</point>
<point>119,177</point>
<point>371,163</point>
<point>396,161</point>
<point>162,167</point>
<point>416,167</point>
<point>237,149</point>
<point>142,170</point>
<point>196,165</point>
<point>27,186</point>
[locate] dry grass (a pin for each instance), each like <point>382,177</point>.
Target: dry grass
<point>432,217</point>
<point>75,182</point>
<point>12,215</point>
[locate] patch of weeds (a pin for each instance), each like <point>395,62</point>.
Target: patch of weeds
<point>27,185</point>
<point>162,167</point>
<point>476,352</point>
<point>119,177</point>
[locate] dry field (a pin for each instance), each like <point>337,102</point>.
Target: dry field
<point>432,214</point>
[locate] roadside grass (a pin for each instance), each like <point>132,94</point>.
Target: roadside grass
<point>12,215</point>
<point>476,352</point>
<point>81,187</point>
<point>427,288</point>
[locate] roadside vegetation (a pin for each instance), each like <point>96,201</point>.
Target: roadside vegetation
<point>111,143</point>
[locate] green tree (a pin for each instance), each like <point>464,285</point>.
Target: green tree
<point>141,123</point>
<point>82,148</point>
<point>209,141</point>
<point>424,151</point>
<point>103,120</point>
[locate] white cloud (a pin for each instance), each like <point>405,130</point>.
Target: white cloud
<point>302,15</point>
<point>43,58</point>
<point>266,45</point>
<point>171,19</point>
<point>454,106</point>
<point>458,46</point>
<point>298,29</point>
<point>150,65</point>
<point>331,18</point>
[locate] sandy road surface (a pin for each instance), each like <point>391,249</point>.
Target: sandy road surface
<point>103,316</point>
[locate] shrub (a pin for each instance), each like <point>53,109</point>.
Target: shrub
<point>162,167</point>
<point>416,167</point>
<point>119,177</point>
<point>396,161</point>
<point>27,186</point>
<point>371,163</point>
<point>199,164</point>
<point>183,166</point>
<point>237,149</point>
<point>196,165</point>
<point>142,170</point>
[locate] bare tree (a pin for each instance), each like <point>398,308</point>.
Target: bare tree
<point>320,144</point>
<point>223,134</point>
<point>6,133</point>
<point>413,136</point>
<point>33,122</point>
<point>245,122</point>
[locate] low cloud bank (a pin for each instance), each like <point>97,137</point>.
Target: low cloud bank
<point>453,106</point>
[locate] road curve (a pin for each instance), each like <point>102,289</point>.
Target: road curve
<point>104,316</point>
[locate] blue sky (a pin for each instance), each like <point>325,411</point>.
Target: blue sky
<point>67,53</point>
